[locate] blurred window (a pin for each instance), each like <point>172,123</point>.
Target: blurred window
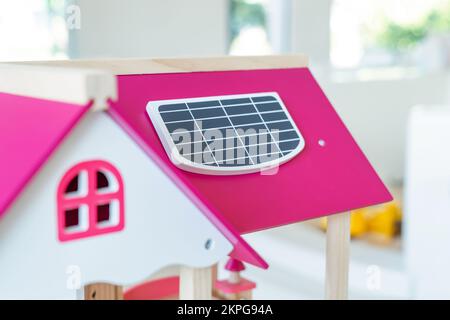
<point>248,27</point>
<point>32,30</point>
<point>390,35</point>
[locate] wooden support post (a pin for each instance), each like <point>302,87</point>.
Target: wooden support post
<point>195,283</point>
<point>337,257</point>
<point>214,273</point>
<point>103,291</point>
<point>214,278</point>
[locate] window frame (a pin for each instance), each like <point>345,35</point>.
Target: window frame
<point>91,198</point>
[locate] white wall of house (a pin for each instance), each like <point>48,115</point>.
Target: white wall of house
<point>162,226</point>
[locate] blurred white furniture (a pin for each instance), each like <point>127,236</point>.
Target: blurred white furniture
<point>427,202</point>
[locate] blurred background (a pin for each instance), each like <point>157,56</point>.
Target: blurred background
<point>384,64</point>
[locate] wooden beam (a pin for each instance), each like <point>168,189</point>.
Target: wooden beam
<point>179,65</point>
<point>337,256</point>
<point>103,291</point>
<point>195,283</point>
<point>79,81</point>
<point>76,86</point>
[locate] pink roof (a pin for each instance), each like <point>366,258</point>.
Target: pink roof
<point>320,181</point>
<point>30,130</point>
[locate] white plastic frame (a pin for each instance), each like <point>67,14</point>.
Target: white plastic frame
<point>187,165</point>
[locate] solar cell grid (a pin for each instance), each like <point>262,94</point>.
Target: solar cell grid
<point>227,132</point>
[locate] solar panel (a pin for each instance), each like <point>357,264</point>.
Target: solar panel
<point>232,134</point>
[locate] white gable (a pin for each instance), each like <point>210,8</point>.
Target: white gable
<point>162,226</point>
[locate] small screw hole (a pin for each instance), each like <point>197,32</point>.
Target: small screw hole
<point>322,143</point>
<point>209,244</point>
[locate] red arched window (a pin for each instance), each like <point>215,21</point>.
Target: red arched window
<point>90,201</point>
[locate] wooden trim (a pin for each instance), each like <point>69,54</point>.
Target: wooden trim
<point>195,283</point>
<point>80,81</point>
<point>77,86</point>
<point>180,65</point>
<point>244,295</point>
<point>337,257</point>
<point>103,291</point>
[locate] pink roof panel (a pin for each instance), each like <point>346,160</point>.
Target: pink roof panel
<point>325,178</point>
<point>30,130</point>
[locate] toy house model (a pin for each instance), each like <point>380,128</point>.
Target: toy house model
<point>92,199</point>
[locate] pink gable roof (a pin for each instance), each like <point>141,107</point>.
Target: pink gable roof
<point>30,131</point>
<point>320,181</point>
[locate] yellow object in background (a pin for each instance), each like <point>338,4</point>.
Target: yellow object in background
<point>385,221</point>
<point>358,223</point>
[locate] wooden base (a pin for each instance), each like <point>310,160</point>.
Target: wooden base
<point>180,65</point>
<point>244,295</point>
<point>337,258</point>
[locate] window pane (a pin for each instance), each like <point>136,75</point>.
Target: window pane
<point>72,218</point>
<point>78,186</point>
<point>73,185</point>
<point>108,214</point>
<point>102,180</point>
<point>103,213</point>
